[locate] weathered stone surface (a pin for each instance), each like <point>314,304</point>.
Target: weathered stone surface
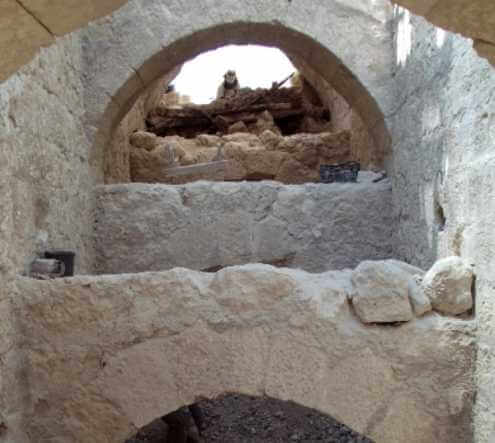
<point>273,25</point>
<point>381,292</point>
<point>448,284</point>
<point>420,302</point>
<point>20,37</point>
<point>204,225</point>
<point>343,117</point>
<point>144,140</point>
<point>238,127</point>
<point>442,109</point>
<point>292,159</point>
<point>444,167</point>
<point>112,353</point>
<point>472,19</point>
<point>117,158</point>
<point>47,169</point>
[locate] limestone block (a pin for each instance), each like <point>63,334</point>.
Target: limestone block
<point>270,139</point>
<point>419,301</point>
<point>210,141</point>
<point>448,285</point>
<point>204,225</point>
<point>266,122</point>
<point>238,127</point>
<point>381,292</point>
<point>143,140</point>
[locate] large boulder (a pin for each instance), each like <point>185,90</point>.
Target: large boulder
<point>448,285</point>
<point>381,291</point>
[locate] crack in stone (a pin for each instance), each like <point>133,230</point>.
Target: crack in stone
<point>35,18</point>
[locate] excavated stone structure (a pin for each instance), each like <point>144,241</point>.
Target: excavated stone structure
<point>108,354</point>
<point>69,349</point>
<point>315,227</point>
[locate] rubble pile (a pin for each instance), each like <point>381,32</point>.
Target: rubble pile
<point>234,157</point>
<point>263,134</point>
<point>288,109</point>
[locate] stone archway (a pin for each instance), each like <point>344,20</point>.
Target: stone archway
<point>352,53</point>
<point>106,355</point>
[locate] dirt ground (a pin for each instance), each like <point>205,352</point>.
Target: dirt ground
<point>236,418</point>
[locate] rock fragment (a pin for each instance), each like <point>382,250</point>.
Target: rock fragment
<point>448,286</point>
<point>381,292</point>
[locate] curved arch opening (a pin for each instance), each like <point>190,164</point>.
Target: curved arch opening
<point>321,68</point>
<point>240,418</point>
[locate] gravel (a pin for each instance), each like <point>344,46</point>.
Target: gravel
<point>234,418</point>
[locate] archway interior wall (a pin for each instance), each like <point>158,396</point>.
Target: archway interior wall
<point>59,112</point>
<point>25,30</point>
<point>343,117</point>
<point>112,353</point>
<point>116,158</point>
<point>156,46</point>
<point>444,157</point>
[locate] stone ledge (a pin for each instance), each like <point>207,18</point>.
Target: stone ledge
<point>208,225</point>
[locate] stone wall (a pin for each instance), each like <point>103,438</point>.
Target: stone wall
<point>117,153</point>
<point>473,19</point>
<point>444,140</point>
<point>47,176</point>
<point>46,169</point>
<point>106,355</point>
<point>202,225</point>
<point>344,118</point>
<point>119,64</point>
<point>28,25</point>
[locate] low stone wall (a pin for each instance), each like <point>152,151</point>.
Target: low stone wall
<point>105,355</point>
<point>207,225</point>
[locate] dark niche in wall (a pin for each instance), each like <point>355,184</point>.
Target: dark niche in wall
<point>235,418</point>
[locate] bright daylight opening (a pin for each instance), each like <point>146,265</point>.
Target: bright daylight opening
<point>255,66</point>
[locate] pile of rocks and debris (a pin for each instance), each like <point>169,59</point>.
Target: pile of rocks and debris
<point>247,111</point>
<point>235,157</point>
<point>263,134</point>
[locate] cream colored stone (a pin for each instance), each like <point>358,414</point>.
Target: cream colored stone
<point>20,37</point>
<point>420,302</point>
<point>111,353</point>
<point>448,284</point>
<point>292,159</point>
<point>381,292</point>
<point>63,16</point>
<point>237,127</point>
<point>204,225</point>
<point>143,140</point>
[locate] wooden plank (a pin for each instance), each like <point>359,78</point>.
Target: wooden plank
<point>198,168</point>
